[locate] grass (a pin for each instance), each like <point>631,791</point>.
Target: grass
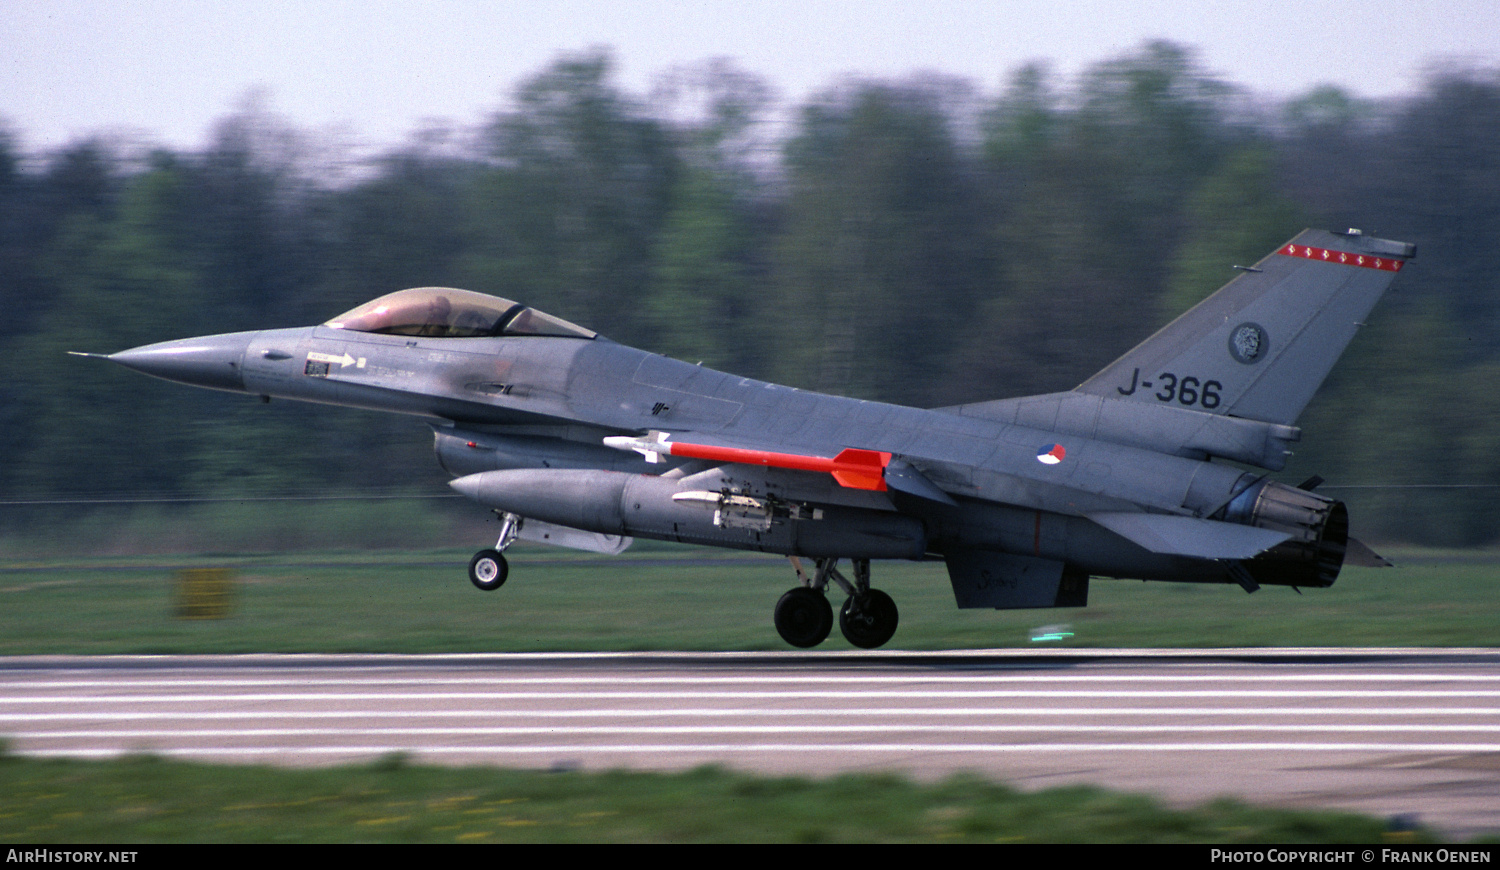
<point>150,800</point>
<point>677,598</point>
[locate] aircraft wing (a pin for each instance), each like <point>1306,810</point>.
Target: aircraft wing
<point>880,471</point>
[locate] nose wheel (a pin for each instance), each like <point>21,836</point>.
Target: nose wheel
<point>488,569</point>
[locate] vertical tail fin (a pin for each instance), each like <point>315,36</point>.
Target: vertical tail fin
<point>1262,345</point>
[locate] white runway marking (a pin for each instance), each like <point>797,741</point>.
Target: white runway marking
<point>679,749</point>
<point>745,712</point>
<point>967,679</point>
<point>590,730</point>
<point>743,695</point>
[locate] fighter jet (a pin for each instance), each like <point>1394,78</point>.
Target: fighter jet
<point>1156,468</point>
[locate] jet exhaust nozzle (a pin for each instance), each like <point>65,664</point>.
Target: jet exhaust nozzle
<point>1319,529</point>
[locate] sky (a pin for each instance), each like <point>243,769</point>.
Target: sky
<point>376,71</point>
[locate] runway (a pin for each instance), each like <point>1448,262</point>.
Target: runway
<point>1382,732</point>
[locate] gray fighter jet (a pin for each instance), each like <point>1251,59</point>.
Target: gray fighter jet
<point>1140,472</point>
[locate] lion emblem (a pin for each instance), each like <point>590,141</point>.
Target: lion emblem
<point>1247,343</point>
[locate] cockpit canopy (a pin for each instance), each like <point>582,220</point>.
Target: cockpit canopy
<point>442,312</point>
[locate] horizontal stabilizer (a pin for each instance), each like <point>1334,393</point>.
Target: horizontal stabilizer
<point>1189,536</point>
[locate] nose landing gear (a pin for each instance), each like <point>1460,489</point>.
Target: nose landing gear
<point>488,568</point>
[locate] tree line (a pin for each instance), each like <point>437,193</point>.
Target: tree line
<point>916,241</point>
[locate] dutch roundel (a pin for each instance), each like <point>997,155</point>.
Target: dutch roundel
<point>1051,454</point>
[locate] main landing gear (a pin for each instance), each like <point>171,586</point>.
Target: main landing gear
<point>804,617</point>
<point>488,570</point>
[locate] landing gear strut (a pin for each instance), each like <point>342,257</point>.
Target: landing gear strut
<point>488,569</point>
<point>804,617</point>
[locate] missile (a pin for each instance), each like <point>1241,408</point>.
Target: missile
<point>853,468</point>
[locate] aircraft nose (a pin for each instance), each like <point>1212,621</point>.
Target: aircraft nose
<point>212,361</point>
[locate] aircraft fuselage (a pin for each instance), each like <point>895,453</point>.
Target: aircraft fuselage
<point>515,403</point>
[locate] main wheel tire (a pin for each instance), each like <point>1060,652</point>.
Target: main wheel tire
<point>868,621</point>
<point>487,570</point>
<point>804,617</point>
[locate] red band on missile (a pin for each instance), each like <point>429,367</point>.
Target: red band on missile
<point>853,468</point>
<point>1364,261</point>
